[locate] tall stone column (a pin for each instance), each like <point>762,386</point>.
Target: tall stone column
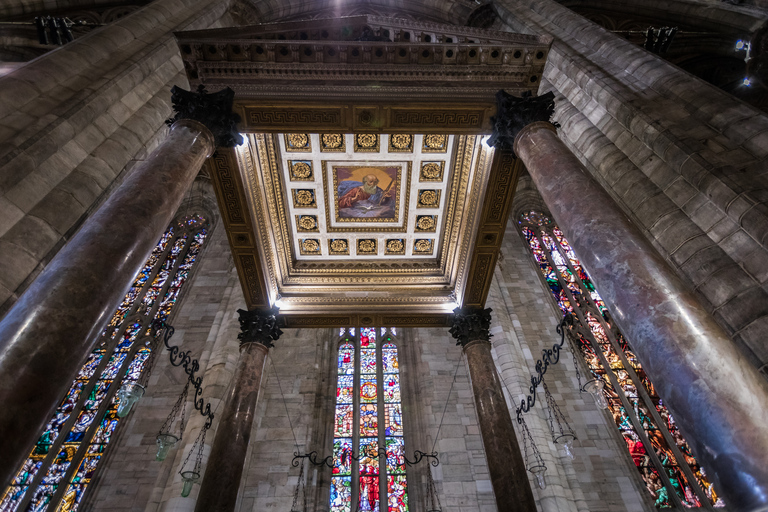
<point>224,469</point>
<point>49,332</point>
<point>717,398</point>
<point>509,476</point>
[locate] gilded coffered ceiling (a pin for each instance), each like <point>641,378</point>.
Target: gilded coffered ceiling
<point>364,193</point>
<point>380,218</point>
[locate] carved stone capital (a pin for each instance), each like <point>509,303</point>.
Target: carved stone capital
<point>513,114</point>
<point>259,326</point>
<point>471,325</point>
<point>213,110</point>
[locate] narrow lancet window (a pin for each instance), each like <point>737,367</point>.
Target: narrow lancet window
<point>658,450</point>
<point>371,451</point>
<point>61,465</point>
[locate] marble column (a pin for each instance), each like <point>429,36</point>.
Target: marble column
<point>509,475</point>
<point>224,468</point>
<point>716,396</point>
<point>53,327</point>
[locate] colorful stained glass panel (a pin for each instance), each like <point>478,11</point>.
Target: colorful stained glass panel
<point>391,388</point>
<point>345,389</point>
<point>368,337</point>
<point>397,496</point>
<point>369,494</point>
<point>389,358</point>
<point>393,422</point>
<point>346,359</point>
<point>341,494</point>
<point>368,361</point>
<point>369,420</point>
<point>368,390</point>
<point>342,456</point>
<point>395,455</point>
<point>344,419</point>
<point>577,281</point>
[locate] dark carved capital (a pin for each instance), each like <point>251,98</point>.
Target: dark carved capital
<point>471,325</point>
<point>212,110</point>
<point>513,114</point>
<point>259,326</point>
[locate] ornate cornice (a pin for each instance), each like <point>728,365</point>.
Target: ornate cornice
<point>515,113</point>
<point>213,110</point>
<point>471,325</point>
<point>259,326</point>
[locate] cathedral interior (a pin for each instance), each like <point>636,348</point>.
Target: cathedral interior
<point>538,227</point>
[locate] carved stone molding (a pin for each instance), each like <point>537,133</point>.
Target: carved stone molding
<point>471,325</point>
<point>259,326</point>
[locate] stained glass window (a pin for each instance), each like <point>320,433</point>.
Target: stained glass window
<point>62,463</point>
<point>368,454</point>
<point>661,455</point>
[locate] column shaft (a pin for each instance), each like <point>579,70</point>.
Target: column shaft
<point>224,468</point>
<point>52,328</point>
<point>509,476</point>
<point>717,398</point>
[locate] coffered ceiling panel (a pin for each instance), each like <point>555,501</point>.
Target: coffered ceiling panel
<point>366,196</point>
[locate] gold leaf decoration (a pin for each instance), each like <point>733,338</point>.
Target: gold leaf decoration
<point>434,143</point>
<point>366,246</point>
<point>366,142</point>
<point>395,246</point>
<point>301,170</point>
<point>310,245</point>
<point>431,171</point>
<point>297,142</point>
<point>303,198</point>
<point>401,142</point>
<point>423,246</point>
<point>332,142</point>
<point>307,222</point>
<point>426,222</point>
<point>339,246</point>
<point>429,198</point>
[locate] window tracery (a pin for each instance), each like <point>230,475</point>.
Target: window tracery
<point>62,463</point>
<point>669,470</point>
<point>368,455</point>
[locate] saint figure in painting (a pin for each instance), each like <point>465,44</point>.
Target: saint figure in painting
<point>352,192</point>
